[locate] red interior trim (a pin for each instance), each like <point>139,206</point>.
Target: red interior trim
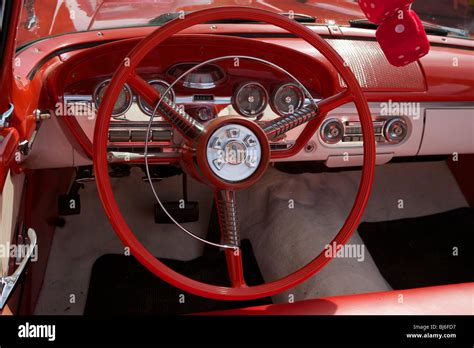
<point>438,300</point>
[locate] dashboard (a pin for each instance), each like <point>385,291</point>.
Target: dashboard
<point>204,94</point>
<point>246,88</point>
<point>260,87</point>
<point>406,103</point>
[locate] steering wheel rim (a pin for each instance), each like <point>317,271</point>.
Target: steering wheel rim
<point>120,226</point>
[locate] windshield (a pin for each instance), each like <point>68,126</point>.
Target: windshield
<point>43,18</point>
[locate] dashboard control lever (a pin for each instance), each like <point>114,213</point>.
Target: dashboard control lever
<point>120,157</point>
<point>7,283</point>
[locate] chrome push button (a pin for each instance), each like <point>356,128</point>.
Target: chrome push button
<point>233,153</point>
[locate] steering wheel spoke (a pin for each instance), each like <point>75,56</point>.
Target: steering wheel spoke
<point>226,204</point>
<point>328,104</point>
<point>179,119</point>
<point>282,125</point>
<point>235,268</point>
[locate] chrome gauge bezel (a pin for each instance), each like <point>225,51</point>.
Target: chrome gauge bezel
<point>239,109</point>
<point>194,79</point>
<point>279,90</point>
<point>143,105</point>
<point>127,90</point>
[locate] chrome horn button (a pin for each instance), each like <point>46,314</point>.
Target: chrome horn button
<point>233,153</point>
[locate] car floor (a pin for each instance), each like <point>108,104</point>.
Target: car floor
<point>288,218</point>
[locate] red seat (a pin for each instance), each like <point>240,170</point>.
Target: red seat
<point>454,299</point>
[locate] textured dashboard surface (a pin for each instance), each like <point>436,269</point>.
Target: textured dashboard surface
<point>372,69</point>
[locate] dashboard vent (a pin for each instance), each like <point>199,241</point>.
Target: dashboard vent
<point>279,146</point>
<point>372,69</point>
<point>203,98</point>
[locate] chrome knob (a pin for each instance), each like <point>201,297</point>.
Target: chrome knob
<point>332,131</point>
<point>204,114</point>
<point>395,130</point>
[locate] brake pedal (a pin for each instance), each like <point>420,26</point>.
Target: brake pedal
<point>70,203</point>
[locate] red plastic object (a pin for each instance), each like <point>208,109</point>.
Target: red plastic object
<point>379,10</point>
<point>455,299</point>
<point>403,38</point>
<point>126,71</point>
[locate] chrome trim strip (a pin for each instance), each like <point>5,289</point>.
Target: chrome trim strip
<point>123,156</point>
<point>189,99</point>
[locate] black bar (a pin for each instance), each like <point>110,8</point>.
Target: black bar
<point>244,330</point>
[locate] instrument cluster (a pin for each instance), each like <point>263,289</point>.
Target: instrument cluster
<point>205,92</point>
<point>250,99</point>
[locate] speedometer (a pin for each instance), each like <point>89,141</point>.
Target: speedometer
<point>250,99</point>
<point>124,100</point>
<point>288,99</point>
<point>161,86</point>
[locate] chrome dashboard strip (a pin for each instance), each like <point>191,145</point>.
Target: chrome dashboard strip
<point>189,99</point>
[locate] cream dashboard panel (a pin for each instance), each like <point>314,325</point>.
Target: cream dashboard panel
<point>434,138</point>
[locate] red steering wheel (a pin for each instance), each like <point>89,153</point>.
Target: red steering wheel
<point>198,155</point>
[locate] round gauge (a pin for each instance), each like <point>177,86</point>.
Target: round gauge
<point>250,99</point>
<point>161,86</point>
<point>288,99</point>
<point>124,100</point>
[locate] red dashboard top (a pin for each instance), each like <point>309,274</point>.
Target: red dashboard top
<point>55,17</point>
